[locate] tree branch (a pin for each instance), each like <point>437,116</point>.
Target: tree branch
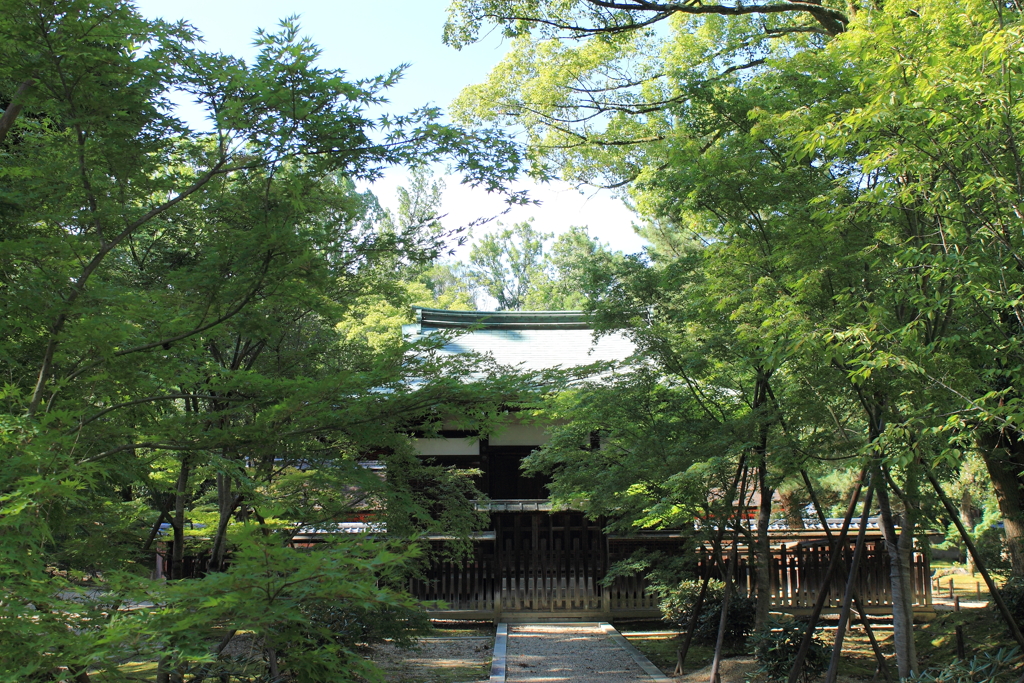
<point>14,108</point>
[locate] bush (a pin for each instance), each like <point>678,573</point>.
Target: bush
<point>775,648</point>
<point>352,624</point>
<point>1013,595</point>
<point>988,539</point>
<point>677,607</point>
<point>985,668</point>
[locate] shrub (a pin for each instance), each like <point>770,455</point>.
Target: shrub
<point>985,668</point>
<point>1013,595</point>
<point>988,539</point>
<point>353,624</point>
<point>677,607</point>
<point>775,648</point>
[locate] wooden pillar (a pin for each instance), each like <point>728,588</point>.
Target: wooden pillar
<point>606,598</point>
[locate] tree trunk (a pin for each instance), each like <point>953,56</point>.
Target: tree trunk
<point>723,619</point>
<point>163,675</point>
<point>14,108</point>
<point>763,549</point>
<point>967,517</point>
<point>902,591</point>
<point>883,665</point>
<point>898,546</point>
<point>851,583</point>
<point>275,672</point>
<point>1001,453</point>
<point>716,550</point>
<point>797,669</point>
<point>178,522</point>
<point>762,545</point>
<point>227,503</point>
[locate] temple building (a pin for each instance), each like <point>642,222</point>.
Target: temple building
<point>536,563</point>
<point>532,560</point>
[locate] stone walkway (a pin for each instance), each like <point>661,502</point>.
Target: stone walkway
<point>573,653</point>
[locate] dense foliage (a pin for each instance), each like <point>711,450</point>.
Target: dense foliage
<point>678,603</point>
<point>834,281</point>
<point>184,356</point>
<point>775,648</point>
<point>198,328</point>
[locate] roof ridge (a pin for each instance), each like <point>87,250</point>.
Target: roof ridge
<point>503,320</point>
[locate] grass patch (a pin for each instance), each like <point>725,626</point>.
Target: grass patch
<point>984,631</point>
<point>461,629</point>
<point>662,652</point>
<point>132,671</point>
<point>460,633</point>
<point>936,642</point>
<point>455,674</point>
<point>965,586</point>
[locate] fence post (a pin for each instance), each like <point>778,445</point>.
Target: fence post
<point>961,648</point>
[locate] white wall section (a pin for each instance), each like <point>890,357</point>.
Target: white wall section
<point>447,446</point>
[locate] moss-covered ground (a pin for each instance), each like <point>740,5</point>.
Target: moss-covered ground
<point>936,644</point>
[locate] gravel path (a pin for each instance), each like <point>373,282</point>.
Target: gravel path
<point>578,653</point>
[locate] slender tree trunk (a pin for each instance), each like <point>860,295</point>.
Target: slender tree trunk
<point>716,549</point>
<point>14,108</point>
<point>227,503</point>
<point>898,546</point>
<point>796,671</point>
<point>727,577</point>
<point>883,665</point>
<point>723,620</point>
<point>911,505</point>
<point>684,647</point>
<point>763,549</point>
<point>967,517</point>
<point>903,622</point>
<point>1001,453</point>
<point>851,583</point>
<point>762,544</point>
<point>275,672</point>
<point>162,673</point>
<point>178,522</point>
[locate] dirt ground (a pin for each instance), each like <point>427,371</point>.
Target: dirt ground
<point>437,660</point>
<point>737,670</point>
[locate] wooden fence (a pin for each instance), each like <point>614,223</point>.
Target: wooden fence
<point>548,564</point>
<point>558,575</point>
<point>798,572</point>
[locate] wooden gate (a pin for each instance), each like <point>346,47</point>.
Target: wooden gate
<point>550,562</point>
<point>539,565</point>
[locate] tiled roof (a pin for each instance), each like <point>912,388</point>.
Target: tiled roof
<point>537,340</point>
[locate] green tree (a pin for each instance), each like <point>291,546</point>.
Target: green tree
<point>711,124</point>
<point>170,300</point>
<point>504,264</point>
<point>561,284</point>
<point>934,125</point>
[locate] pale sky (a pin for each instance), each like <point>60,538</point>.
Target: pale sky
<point>367,38</point>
